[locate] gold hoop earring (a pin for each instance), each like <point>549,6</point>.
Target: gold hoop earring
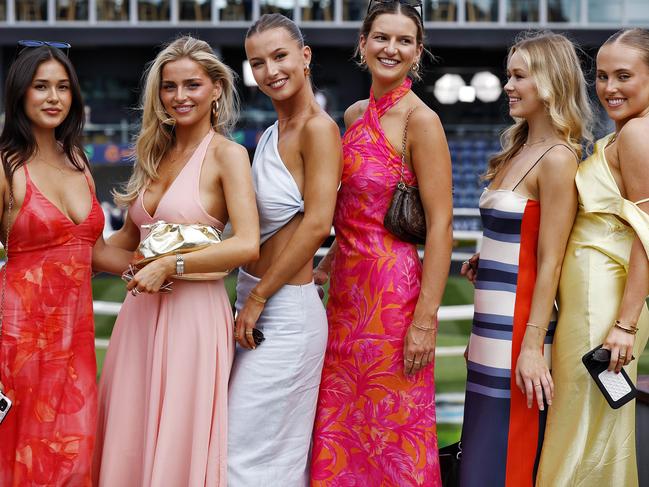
<point>215,108</point>
<point>415,67</point>
<point>307,71</point>
<point>362,60</point>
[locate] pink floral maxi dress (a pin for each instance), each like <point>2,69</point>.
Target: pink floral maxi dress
<point>374,426</point>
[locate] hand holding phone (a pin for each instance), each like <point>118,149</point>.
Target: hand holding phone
<point>617,388</point>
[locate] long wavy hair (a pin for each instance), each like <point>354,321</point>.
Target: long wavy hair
<point>555,68</point>
<point>17,143</point>
<point>157,134</point>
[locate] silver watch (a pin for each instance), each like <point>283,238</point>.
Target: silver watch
<point>180,265</point>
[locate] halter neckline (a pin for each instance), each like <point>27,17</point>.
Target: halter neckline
<point>390,99</point>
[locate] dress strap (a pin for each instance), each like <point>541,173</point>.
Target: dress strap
<point>639,202</point>
<point>537,161</point>
<point>390,99</point>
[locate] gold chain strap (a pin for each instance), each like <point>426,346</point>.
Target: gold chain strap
<point>4,271</point>
<point>401,184</point>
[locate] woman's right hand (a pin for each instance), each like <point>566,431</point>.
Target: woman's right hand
<point>245,321</point>
<point>320,276</point>
<point>470,268</point>
<point>533,377</point>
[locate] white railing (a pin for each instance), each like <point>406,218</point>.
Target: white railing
<point>446,313</point>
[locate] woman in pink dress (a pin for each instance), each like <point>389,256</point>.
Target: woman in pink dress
<point>375,423</point>
<point>163,391</point>
<point>50,222</point>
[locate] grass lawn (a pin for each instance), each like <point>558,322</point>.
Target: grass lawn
<point>450,372</point>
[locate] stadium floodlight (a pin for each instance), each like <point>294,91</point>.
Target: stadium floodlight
<point>466,94</point>
<point>447,88</point>
<point>487,86</point>
<point>248,78</point>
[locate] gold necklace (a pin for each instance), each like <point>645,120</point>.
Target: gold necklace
<point>530,144</point>
<point>40,159</point>
<point>177,157</point>
<point>307,112</point>
<point>612,140</point>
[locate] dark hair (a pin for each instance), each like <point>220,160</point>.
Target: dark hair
<point>276,21</point>
<point>17,143</point>
<point>636,38</point>
<point>395,7</point>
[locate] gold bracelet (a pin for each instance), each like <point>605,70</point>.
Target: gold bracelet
<point>537,326</point>
<point>257,297</point>
<point>422,328</point>
<point>631,330</point>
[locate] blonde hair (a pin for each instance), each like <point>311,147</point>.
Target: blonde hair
<point>157,132</point>
<point>636,38</point>
<point>555,68</point>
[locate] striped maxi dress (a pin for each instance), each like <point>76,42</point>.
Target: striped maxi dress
<point>501,437</point>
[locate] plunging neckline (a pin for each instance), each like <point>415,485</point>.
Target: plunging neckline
<point>155,212</point>
<point>66,217</point>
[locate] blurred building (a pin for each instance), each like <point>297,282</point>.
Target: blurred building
<point>114,39</point>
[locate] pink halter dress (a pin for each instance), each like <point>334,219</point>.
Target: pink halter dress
<point>374,426</point>
<point>163,390</point>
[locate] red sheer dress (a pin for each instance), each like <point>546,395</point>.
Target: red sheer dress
<point>47,354</point>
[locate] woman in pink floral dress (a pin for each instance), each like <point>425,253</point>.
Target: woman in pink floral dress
<point>375,422</point>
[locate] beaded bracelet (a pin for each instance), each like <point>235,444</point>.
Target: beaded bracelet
<point>631,330</point>
<point>422,328</point>
<point>257,297</point>
<point>537,326</point>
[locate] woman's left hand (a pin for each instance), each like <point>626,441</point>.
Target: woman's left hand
<point>533,377</point>
<point>152,276</point>
<point>419,348</point>
<point>620,343</point>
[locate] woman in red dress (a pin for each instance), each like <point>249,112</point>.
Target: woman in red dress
<point>51,219</point>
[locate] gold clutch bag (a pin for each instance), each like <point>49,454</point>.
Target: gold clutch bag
<point>178,238</point>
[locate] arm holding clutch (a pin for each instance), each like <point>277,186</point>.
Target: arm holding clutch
<point>230,182</point>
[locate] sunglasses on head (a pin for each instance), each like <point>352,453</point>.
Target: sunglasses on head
<point>26,44</point>
<point>413,4</point>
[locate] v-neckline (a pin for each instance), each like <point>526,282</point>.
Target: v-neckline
<point>155,212</point>
<point>66,217</point>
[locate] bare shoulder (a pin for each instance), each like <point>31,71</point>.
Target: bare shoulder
<point>320,127</point>
<point>560,162</point>
<point>355,111</point>
<point>634,135</point>
<point>225,151</point>
<point>424,116</point>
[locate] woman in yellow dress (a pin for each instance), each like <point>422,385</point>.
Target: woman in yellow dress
<point>604,282</point>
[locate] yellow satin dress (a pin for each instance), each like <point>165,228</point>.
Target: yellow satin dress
<point>586,442</point>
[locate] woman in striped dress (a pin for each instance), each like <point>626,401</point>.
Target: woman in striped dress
<point>527,212</point>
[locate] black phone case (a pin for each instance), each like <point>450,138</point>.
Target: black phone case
<point>257,336</point>
<point>595,368</point>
